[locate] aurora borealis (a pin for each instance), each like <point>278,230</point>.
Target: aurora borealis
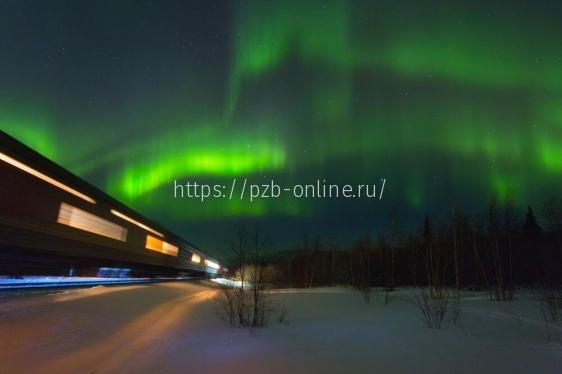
<point>454,103</point>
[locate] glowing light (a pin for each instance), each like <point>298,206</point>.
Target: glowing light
<point>212,264</point>
<point>230,282</point>
<point>33,132</point>
<point>143,176</point>
<point>44,177</point>
<point>551,154</point>
<point>80,219</point>
<point>195,258</point>
<point>141,225</point>
<point>161,246</point>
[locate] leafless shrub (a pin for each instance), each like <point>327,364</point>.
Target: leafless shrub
<point>388,295</point>
<point>234,305</point>
<point>433,308</point>
<point>282,314</point>
<point>228,305</point>
<point>365,293</point>
<point>551,329</point>
<point>455,312</point>
<point>551,308</point>
<point>551,303</point>
<point>248,304</point>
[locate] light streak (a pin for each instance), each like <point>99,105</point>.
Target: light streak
<point>44,177</point>
<point>141,225</point>
<point>80,219</point>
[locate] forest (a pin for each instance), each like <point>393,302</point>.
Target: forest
<point>497,251</point>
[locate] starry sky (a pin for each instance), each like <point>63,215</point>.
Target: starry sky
<point>454,103</point>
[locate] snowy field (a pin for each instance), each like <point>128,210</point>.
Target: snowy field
<point>173,327</point>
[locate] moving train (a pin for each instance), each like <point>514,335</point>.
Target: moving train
<point>52,222</point>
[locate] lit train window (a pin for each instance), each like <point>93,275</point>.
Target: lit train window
<point>44,177</point>
<point>80,219</point>
<point>195,258</point>
<point>161,246</point>
<point>212,264</point>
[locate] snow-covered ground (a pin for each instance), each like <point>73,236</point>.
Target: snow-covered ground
<point>173,327</point>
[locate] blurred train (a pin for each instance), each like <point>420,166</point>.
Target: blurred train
<point>54,223</point>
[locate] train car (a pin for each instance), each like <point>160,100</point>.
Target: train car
<point>53,222</point>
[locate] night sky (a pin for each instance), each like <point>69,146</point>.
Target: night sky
<point>453,104</point>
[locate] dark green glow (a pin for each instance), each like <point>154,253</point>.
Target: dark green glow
<point>35,132</point>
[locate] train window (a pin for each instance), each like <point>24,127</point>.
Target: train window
<point>212,264</point>
<point>195,258</point>
<point>80,219</point>
<point>161,246</point>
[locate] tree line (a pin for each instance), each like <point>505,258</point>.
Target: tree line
<point>496,251</point>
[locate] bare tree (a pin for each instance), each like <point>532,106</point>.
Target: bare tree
<point>509,227</point>
<point>433,308</point>
<point>433,260</point>
<point>246,305</point>
<point>456,256</point>
<point>551,308</point>
<point>316,246</point>
<point>412,244</point>
<point>239,248</point>
<point>258,277</point>
<point>361,272</point>
<point>229,307</point>
<point>394,242</point>
<point>551,303</point>
<point>478,256</point>
<point>499,254</point>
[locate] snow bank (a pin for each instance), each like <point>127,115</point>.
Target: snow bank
<point>173,327</point>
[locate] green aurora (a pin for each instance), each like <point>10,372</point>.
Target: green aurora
<point>452,103</point>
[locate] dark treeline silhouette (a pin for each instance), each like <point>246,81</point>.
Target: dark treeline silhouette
<point>496,251</point>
